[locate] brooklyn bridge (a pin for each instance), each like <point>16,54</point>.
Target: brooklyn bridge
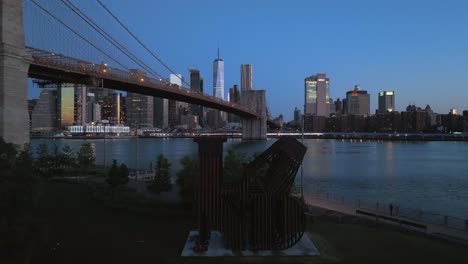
<point>60,42</point>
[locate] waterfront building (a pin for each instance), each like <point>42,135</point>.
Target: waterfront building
<point>218,77</point>
<point>332,106</point>
<point>246,77</point>
<point>93,109</point>
<point>196,84</point>
<point>465,121</point>
<point>81,99</point>
<point>386,101</point>
<point>317,95</point>
<point>99,129</point>
<point>189,121</point>
<point>111,109</point>
<point>357,102</point>
<point>314,123</point>
<point>139,110</point>
<point>214,119</point>
<point>161,112</point>
<point>44,114</point>
<point>414,119</point>
<point>297,116</point>
<point>65,105</point>
<point>338,106</point>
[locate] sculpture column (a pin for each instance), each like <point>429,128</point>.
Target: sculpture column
<point>208,195</point>
<point>14,65</point>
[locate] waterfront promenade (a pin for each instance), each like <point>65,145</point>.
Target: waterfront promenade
<point>439,230</point>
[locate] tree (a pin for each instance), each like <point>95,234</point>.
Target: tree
<point>234,165</point>
<point>86,156</point>
<point>117,176</point>
<point>44,163</point>
<point>161,182</point>
<point>17,184</point>
<point>188,178</point>
<point>67,157</point>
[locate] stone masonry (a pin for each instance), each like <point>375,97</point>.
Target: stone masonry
<point>256,128</point>
<point>14,65</point>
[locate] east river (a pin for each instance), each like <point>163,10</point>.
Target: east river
<point>428,176</point>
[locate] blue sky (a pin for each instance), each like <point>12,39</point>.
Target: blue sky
<point>419,49</point>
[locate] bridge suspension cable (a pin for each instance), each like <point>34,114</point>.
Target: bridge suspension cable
<point>140,42</point>
<point>77,34</point>
<point>109,38</point>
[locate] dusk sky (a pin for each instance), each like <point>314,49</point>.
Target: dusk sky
<point>418,49</point>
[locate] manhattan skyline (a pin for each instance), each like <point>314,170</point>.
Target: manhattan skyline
<point>416,49</point>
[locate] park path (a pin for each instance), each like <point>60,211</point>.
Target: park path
<point>350,209</point>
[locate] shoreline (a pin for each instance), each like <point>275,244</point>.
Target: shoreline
<point>330,135</point>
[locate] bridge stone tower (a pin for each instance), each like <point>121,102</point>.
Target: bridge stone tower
<point>254,129</point>
<point>14,65</point>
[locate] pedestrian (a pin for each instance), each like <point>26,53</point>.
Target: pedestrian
<point>391,208</point>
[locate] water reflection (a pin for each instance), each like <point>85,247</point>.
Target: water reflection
<point>429,175</point>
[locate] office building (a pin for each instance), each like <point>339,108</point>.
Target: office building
<point>297,116</point>
<point>161,112</point>
<point>112,110</point>
<point>338,106</point>
<point>44,114</point>
<point>173,106</point>
<point>139,110</point>
<point>234,97</point>
<point>81,98</point>
<point>196,84</point>
<point>357,102</point>
<point>386,101</point>
<point>218,78</point>
<point>65,105</point>
<point>246,77</point>
<point>317,95</point>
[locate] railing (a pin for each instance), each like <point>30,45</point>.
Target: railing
<point>102,70</point>
<point>452,222</point>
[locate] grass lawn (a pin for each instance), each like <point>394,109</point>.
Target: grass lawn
<point>359,243</point>
<point>81,230</point>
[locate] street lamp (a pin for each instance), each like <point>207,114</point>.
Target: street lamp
<point>302,163</point>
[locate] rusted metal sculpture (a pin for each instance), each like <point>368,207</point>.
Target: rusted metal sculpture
<point>258,213</point>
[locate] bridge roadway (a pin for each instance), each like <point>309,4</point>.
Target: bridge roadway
<point>52,66</point>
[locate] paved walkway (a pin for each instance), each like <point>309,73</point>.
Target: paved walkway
<point>432,229</point>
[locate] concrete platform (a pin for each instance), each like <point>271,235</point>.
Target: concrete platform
<point>216,248</point>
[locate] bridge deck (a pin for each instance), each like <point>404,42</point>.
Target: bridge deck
<point>48,65</point>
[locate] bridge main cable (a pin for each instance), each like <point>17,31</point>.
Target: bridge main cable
<point>109,38</point>
<point>141,43</point>
<point>78,34</point>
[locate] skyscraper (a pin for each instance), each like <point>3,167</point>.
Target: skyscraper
<point>161,112</point>
<point>139,110</point>
<point>246,77</point>
<point>357,102</point>
<point>111,108</point>
<point>386,101</point>
<point>196,84</point>
<point>218,78</point>
<point>234,97</point>
<point>44,114</point>
<point>65,105</point>
<point>173,116</point>
<point>317,95</point>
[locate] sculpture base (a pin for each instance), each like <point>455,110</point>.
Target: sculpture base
<point>216,248</point>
